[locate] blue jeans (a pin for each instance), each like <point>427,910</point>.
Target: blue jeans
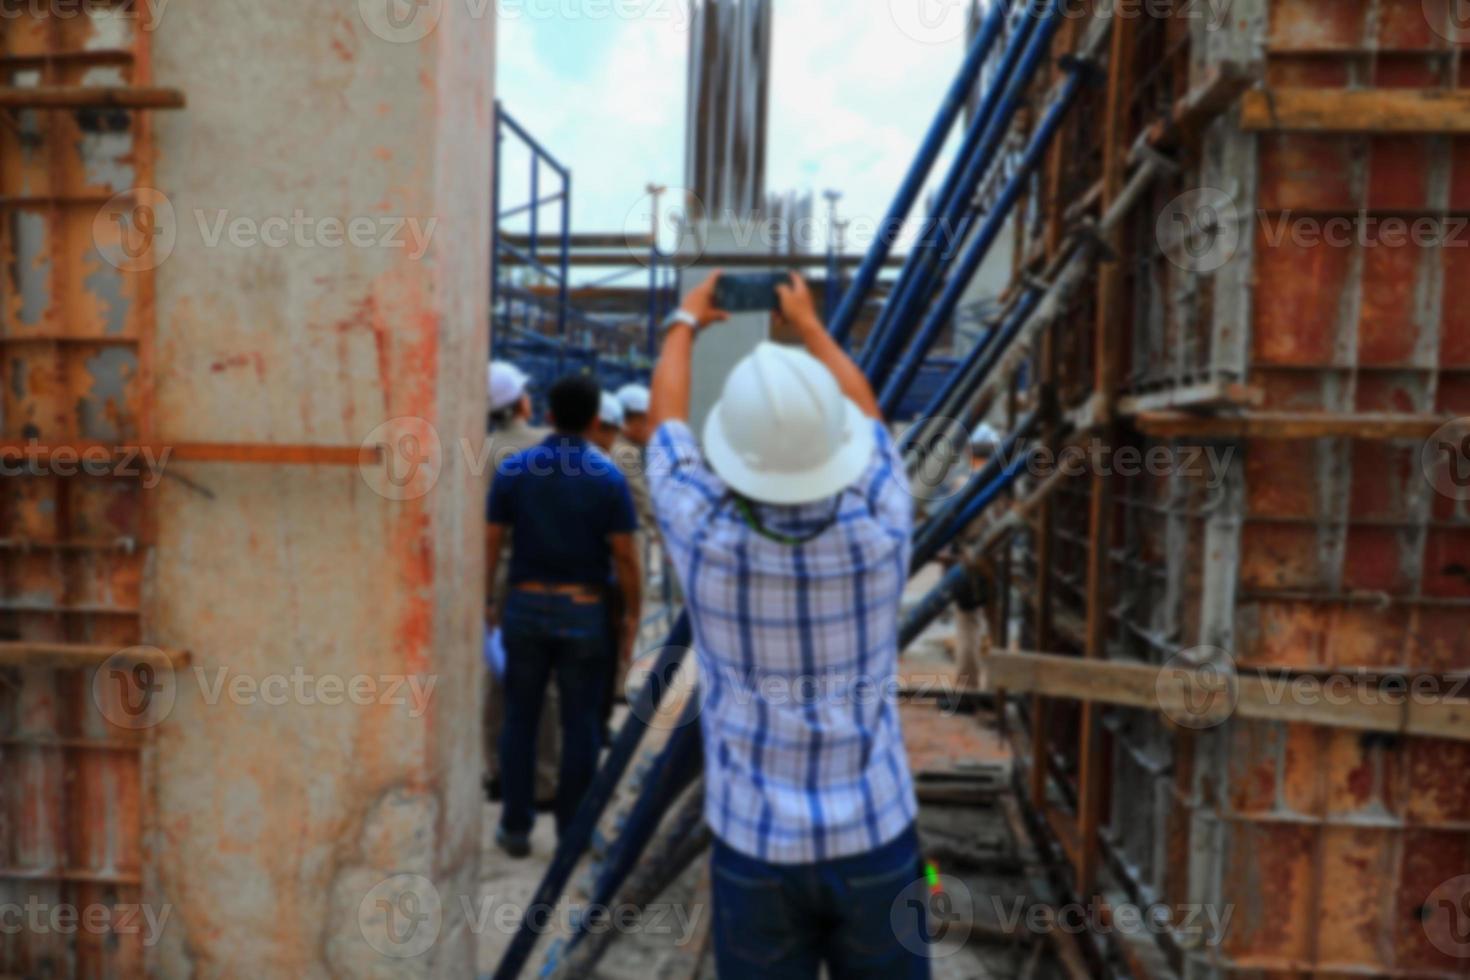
<point>551,636</point>
<point>861,915</point>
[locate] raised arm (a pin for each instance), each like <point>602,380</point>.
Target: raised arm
<point>669,390</point>
<point>798,310</point>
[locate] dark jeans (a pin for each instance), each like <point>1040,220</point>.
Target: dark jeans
<point>861,915</point>
<point>546,636</point>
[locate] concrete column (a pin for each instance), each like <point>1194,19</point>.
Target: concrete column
<point>317,776</point>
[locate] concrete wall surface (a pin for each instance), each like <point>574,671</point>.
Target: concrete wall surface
<point>317,778</point>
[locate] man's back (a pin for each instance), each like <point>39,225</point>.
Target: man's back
<point>507,440</point>
<point>796,629</point>
<point>562,499</point>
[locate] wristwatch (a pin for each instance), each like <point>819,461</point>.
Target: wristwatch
<point>680,316</point>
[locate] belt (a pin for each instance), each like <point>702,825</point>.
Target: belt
<point>570,590</point>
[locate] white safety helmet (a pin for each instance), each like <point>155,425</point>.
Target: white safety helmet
<point>611,411</point>
<point>506,384</point>
<point>984,437</point>
<point>634,398</point>
<point>782,432</point>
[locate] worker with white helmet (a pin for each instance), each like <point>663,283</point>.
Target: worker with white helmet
<point>609,423</point>
<point>511,431</point>
<point>634,398</point>
<point>629,450</point>
<point>790,533</point>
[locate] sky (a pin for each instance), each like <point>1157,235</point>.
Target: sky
<point>855,84</point>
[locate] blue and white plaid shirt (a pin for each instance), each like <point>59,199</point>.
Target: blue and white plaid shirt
<point>798,650</point>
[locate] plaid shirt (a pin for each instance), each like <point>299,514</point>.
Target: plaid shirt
<point>798,650</point>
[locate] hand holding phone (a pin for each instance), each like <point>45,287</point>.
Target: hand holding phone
<point>751,292</point>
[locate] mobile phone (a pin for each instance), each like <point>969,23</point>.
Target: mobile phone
<point>748,292</point>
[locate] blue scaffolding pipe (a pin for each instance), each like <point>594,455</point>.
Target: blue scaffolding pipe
<point>857,292</point>
<point>957,512</point>
<point>963,383</point>
<point>679,764</point>
<point>944,234</point>
<point>578,835</point>
<point>975,253</point>
<point>978,493</point>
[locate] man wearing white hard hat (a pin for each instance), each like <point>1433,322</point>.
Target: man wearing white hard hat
<point>789,530</point>
<point>510,432</point>
<point>609,423</point>
<point>629,450</point>
<point>635,398</point>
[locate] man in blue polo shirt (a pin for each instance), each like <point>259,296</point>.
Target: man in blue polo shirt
<point>571,521</point>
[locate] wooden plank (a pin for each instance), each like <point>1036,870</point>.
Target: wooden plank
<point>90,96</point>
<point>1339,110</point>
<point>1289,425</point>
<point>1205,395</point>
<point>1264,698</point>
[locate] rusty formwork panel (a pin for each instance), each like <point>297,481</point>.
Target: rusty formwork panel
<point>1338,853</point>
<point>76,313</point>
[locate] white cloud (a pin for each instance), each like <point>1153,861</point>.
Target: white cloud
<point>852,95</point>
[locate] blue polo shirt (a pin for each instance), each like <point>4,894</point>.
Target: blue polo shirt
<point>561,499</point>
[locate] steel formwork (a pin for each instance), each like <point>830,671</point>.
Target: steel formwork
<point>1316,549</point>
<point>76,315</point>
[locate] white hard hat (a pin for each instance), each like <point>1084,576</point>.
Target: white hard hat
<point>985,435</point>
<point>611,411</point>
<point>782,432</point>
<point>634,399</point>
<point>506,384</point>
